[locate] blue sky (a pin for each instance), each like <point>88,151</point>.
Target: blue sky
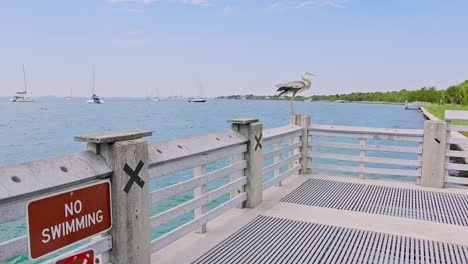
<point>231,47</point>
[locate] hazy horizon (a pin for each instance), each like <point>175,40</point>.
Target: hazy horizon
<point>171,47</point>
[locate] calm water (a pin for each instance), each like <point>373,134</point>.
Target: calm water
<point>46,128</point>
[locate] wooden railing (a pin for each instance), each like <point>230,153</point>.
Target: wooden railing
<point>220,171</point>
<point>461,152</point>
<point>284,141</point>
<point>362,146</point>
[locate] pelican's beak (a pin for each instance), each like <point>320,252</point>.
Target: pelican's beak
<point>311,74</point>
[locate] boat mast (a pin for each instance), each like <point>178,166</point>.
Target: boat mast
<point>24,78</point>
<point>93,81</point>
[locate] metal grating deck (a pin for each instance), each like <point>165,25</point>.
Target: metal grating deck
<point>408,203</point>
<point>277,240</point>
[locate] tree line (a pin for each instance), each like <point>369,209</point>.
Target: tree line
<point>455,94</point>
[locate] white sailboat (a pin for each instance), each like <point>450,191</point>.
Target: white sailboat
<point>68,98</point>
<point>199,99</point>
<point>155,98</point>
<point>94,99</point>
<point>23,96</point>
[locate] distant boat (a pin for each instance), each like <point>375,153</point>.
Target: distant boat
<point>68,98</point>
<point>94,99</point>
<point>340,101</point>
<point>199,99</point>
<point>23,96</point>
<point>155,99</point>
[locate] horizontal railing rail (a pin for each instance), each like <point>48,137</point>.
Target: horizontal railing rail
<point>408,163</point>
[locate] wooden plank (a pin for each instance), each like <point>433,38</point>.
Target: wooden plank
<point>327,144</point>
<point>365,159</point>
<point>461,141</point>
<point>277,171</point>
<point>30,179</point>
<point>191,184</point>
<point>281,150</point>
<point>281,132</point>
<point>457,128</point>
<point>110,137</point>
<point>459,180</point>
<point>12,211</point>
<point>284,175</point>
<point>367,130</point>
<point>456,166</point>
<point>182,148</point>
<point>334,167</point>
<point>13,247</point>
<point>456,153</point>
<point>198,192</point>
<point>172,213</point>
<point>410,173</point>
<point>193,161</point>
<point>452,115</point>
<point>383,171</point>
<point>183,230</point>
<point>280,164</point>
<point>366,136</point>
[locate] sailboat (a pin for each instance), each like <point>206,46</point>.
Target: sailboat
<point>155,98</point>
<point>94,99</point>
<point>199,99</point>
<point>68,98</point>
<point>22,96</point>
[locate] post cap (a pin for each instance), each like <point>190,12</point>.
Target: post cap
<point>112,137</point>
<point>243,121</point>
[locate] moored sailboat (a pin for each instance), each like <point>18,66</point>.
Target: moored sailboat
<point>94,99</point>
<point>23,96</point>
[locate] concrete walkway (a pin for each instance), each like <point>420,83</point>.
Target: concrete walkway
<point>335,222</point>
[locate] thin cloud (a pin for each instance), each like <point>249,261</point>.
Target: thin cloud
<point>275,5</point>
<point>323,3</point>
<point>134,1</point>
<point>197,2</point>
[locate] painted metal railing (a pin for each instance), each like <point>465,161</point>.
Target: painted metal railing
<point>338,148</point>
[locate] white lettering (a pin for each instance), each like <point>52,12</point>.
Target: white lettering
<point>73,208</point>
<point>99,216</point>
<point>76,224</point>
<point>45,235</point>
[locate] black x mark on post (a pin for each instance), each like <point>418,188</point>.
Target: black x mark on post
<point>258,144</point>
<point>133,176</point>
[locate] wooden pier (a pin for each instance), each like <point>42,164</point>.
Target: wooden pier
<point>301,193</point>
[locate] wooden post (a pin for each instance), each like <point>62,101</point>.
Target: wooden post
<point>200,171</point>
<point>276,159</point>
<point>304,121</point>
<point>126,152</point>
<point>434,154</point>
<point>362,154</point>
<point>253,130</point>
<point>236,175</point>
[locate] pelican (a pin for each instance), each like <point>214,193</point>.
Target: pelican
<point>295,87</point>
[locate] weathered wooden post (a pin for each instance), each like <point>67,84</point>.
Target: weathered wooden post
<point>304,121</point>
<point>126,153</point>
<point>253,130</point>
<point>434,154</point>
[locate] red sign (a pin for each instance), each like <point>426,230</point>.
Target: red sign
<point>86,257</point>
<point>59,220</point>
